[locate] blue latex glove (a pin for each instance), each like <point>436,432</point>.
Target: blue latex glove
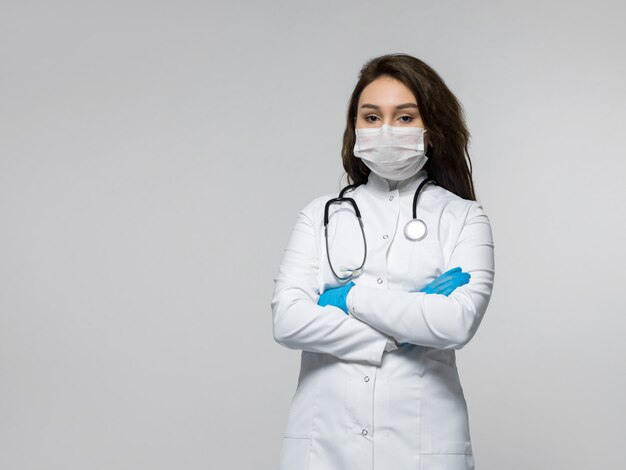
<point>446,283</point>
<point>336,296</point>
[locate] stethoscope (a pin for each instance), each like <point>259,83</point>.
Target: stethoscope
<point>414,230</point>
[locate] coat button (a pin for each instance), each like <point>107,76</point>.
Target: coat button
<point>379,280</point>
<point>391,198</point>
<point>364,432</point>
<point>366,378</point>
<point>385,236</point>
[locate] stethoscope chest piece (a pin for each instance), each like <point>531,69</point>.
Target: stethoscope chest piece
<point>415,229</point>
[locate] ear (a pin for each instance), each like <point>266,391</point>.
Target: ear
<point>429,151</point>
<point>427,138</point>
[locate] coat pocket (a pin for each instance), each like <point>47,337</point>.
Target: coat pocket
<point>300,414</point>
<point>450,461</point>
<point>303,406</point>
<point>445,418</point>
<point>294,453</point>
<point>425,264</point>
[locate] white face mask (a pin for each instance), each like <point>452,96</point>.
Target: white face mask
<point>391,152</point>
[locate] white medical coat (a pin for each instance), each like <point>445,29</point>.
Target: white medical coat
<point>359,403</point>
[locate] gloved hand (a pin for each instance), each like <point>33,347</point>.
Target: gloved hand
<point>446,283</point>
<point>336,296</point>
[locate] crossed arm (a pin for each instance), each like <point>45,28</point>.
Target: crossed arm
<point>299,323</point>
<point>380,315</point>
<point>436,320</point>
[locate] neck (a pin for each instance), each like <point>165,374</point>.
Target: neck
<point>381,186</point>
<point>393,184</point>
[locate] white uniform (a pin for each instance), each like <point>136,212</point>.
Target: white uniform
<point>360,403</point>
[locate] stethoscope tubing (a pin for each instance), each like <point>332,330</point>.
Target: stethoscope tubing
<point>341,198</point>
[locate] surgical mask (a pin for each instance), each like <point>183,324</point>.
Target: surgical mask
<point>394,153</point>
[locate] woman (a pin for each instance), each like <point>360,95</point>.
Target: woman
<point>378,385</point>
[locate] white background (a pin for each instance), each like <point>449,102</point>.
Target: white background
<point>154,156</point>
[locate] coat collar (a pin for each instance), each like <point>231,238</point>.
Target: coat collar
<point>379,186</point>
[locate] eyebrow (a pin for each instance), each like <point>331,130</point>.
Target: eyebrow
<point>400,106</point>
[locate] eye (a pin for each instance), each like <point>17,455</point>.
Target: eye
<point>370,116</point>
<point>407,116</point>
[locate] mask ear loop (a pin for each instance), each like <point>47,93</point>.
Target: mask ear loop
<point>356,141</point>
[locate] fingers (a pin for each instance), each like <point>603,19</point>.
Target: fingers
<point>453,270</point>
<point>448,287</point>
<point>427,290</point>
<point>445,277</point>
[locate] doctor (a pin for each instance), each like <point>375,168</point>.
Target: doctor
<point>378,386</point>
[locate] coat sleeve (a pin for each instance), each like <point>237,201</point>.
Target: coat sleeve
<point>436,320</point>
<point>300,323</point>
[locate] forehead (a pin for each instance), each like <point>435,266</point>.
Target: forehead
<point>386,91</point>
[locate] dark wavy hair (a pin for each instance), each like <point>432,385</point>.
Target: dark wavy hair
<point>449,161</point>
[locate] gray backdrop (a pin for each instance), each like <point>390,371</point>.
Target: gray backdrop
<point>154,156</point>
